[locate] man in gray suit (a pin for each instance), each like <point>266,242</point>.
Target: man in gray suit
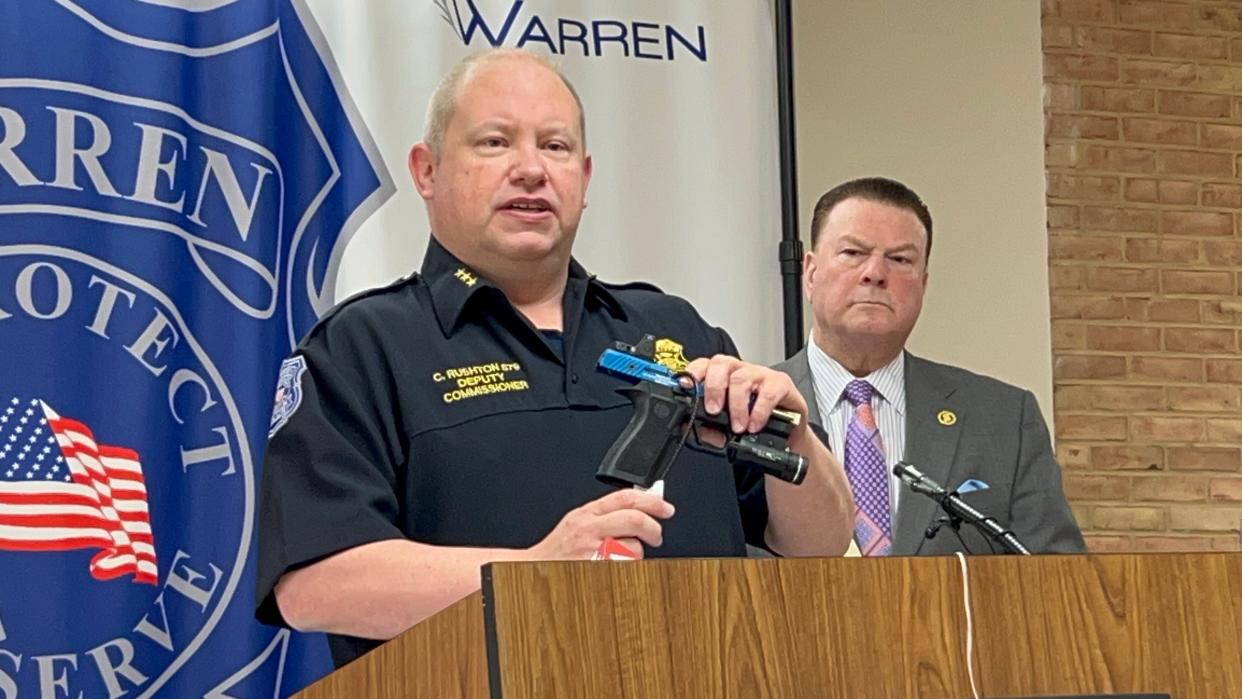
<point>865,277</point>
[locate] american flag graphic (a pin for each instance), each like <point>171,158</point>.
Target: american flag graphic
<point>61,490</point>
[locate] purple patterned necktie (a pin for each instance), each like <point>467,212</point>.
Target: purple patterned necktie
<point>868,474</point>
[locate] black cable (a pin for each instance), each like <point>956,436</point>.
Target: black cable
<point>693,389</point>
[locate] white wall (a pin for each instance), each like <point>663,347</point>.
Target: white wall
<point>684,190</point>
<point>946,97</point>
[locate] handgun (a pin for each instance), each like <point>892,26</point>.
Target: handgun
<point>667,404</point>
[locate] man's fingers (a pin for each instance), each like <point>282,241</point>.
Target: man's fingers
<point>741,387</point>
<point>698,368</point>
<point>773,390</point>
<point>630,524</point>
<point>630,499</point>
<point>748,392</point>
<point>716,382</point>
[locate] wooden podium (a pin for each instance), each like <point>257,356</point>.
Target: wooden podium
<point>851,628</point>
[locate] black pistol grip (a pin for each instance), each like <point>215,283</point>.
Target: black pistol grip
<point>644,450</point>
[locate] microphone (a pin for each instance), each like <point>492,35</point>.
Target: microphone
<point>918,482</point>
<point>957,509</point>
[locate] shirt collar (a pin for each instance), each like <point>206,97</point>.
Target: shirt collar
<point>453,284</point>
<point>830,379</point>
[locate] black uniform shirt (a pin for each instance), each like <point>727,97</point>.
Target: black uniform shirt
<point>432,410</point>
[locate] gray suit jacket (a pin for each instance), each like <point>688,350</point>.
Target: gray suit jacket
<point>999,437</point>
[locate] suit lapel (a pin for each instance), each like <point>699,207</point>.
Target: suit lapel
<point>930,445</point>
<point>799,369</point>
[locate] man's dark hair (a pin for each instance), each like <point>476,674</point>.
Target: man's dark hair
<point>878,189</point>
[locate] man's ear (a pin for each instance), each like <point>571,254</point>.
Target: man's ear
<point>809,268</point>
<point>422,164</point>
<point>588,166</point>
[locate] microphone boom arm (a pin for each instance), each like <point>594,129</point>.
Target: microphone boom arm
<point>953,504</point>
<point>958,509</point>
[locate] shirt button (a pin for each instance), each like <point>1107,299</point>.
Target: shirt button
<point>573,378</point>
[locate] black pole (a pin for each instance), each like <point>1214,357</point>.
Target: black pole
<point>790,253</point>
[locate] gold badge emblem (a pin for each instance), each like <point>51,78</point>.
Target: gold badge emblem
<point>947,417</point>
<point>466,278</point>
<point>669,355</point>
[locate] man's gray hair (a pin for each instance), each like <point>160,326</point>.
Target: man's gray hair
<point>444,99</point>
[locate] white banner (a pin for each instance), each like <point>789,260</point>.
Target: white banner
<point>681,114</point>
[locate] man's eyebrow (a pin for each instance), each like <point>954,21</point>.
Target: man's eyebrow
<point>904,247</point>
<point>856,242</point>
<point>488,124</point>
<point>848,239</point>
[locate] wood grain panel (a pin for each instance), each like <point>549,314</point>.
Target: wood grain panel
<point>445,656</point>
<point>1111,623</point>
<point>731,628</point>
<point>871,627</point>
<point>830,628</point>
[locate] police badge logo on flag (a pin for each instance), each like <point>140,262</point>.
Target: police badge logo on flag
<point>176,180</point>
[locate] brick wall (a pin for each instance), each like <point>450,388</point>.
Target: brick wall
<point>1143,133</point>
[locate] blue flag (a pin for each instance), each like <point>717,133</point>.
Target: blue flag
<point>177,181</point>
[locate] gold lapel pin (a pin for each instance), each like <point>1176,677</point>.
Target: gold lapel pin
<point>947,417</point>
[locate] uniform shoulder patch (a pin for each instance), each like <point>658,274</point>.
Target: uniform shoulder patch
<point>288,392</point>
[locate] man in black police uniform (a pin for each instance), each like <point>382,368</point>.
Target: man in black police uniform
<point>456,418</point>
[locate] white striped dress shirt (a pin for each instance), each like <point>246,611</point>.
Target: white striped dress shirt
<point>888,403</point>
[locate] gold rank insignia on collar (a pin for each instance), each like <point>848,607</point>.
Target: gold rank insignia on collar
<point>947,417</point>
<point>466,277</point>
<point>669,354</point>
